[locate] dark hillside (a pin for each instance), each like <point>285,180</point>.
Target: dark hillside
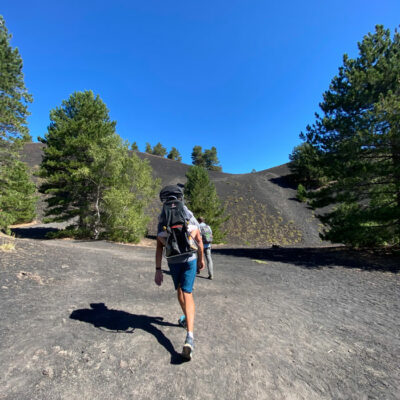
<point>262,205</point>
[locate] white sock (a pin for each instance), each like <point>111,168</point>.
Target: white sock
<point>190,334</point>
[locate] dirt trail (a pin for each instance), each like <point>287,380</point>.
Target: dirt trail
<point>84,320</point>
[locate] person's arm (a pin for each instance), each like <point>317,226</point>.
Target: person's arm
<point>200,251</point>
<point>158,277</point>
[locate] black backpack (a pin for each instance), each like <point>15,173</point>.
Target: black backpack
<point>174,220</point>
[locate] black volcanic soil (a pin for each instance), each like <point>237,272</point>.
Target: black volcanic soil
<point>262,205</point>
<point>84,320</point>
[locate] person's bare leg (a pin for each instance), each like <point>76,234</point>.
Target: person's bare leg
<point>189,310</point>
<point>181,299</point>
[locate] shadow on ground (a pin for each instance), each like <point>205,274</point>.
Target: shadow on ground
<point>283,182</point>
<point>118,321</point>
<point>318,257</point>
<point>35,232</point>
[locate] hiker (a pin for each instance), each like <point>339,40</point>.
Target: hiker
<point>207,237</point>
<point>179,232</point>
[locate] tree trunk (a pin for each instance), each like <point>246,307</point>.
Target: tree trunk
<point>97,221</point>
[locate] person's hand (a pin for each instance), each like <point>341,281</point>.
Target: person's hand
<point>200,265</point>
<point>158,277</point>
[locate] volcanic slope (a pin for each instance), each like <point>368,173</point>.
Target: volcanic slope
<point>262,205</point>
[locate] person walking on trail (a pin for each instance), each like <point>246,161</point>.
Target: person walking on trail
<point>207,237</point>
<point>178,232</point>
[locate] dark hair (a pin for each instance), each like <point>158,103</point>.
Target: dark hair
<point>201,219</point>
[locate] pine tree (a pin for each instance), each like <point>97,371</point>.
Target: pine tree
<point>197,156</point>
<point>91,179</point>
<point>174,155</point>
<point>134,146</point>
<point>358,138</point>
<point>211,159</point>
<point>159,150</point>
<point>17,200</point>
<point>17,203</point>
<point>202,200</point>
<point>305,166</point>
<point>208,159</point>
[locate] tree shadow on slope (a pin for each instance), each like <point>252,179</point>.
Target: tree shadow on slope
<point>119,321</point>
<point>318,257</point>
<point>285,182</point>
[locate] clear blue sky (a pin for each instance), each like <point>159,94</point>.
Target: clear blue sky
<point>243,76</point>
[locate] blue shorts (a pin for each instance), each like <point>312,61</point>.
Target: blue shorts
<point>183,274</point>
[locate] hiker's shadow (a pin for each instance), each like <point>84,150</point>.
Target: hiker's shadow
<point>123,322</point>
